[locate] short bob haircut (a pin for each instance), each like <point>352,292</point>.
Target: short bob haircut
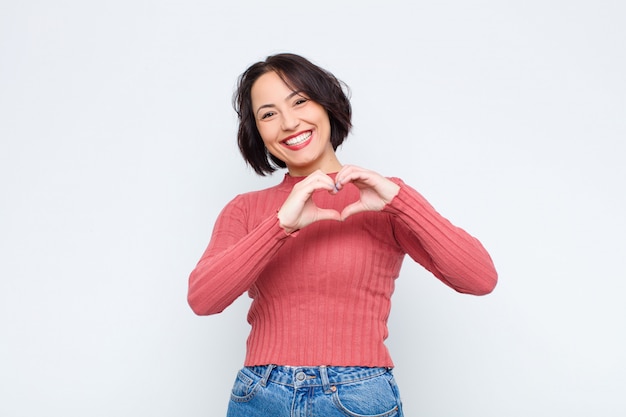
<point>300,75</point>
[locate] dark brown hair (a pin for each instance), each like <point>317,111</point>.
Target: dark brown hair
<point>300,75</point>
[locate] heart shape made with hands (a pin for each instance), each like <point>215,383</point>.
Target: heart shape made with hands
<point>354,202</point>
<point>370,190</point>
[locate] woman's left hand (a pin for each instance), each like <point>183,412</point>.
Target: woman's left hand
<point>375,190</point>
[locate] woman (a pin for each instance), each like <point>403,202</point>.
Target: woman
<point>319,253</point>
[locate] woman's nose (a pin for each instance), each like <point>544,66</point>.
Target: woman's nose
<point>290,121</point>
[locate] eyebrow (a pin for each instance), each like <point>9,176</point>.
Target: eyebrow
<point>265,106</point>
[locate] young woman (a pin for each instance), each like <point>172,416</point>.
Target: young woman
<point>319,253</point>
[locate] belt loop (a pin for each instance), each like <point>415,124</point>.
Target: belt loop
<point>325,380</point>
<point>266,376</point>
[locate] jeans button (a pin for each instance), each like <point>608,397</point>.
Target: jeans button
<point>300,376</point>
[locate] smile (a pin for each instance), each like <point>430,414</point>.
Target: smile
<point>297,140</point>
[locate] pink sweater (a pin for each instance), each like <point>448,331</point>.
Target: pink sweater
<point>322,295</point>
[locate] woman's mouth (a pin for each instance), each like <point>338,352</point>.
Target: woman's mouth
<point>298,141</point>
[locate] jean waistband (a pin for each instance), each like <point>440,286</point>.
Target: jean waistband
<point>324,376</point>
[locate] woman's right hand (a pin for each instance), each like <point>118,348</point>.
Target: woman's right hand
<point>299,210</point>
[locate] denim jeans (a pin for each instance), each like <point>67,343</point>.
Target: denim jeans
<point>282,391</point>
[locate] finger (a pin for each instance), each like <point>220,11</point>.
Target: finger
<point>351,173</point>
<point>319,180</point>
<point>363,178</point>
<point>303,190</point>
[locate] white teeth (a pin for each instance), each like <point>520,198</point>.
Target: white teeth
<point>298,139</point>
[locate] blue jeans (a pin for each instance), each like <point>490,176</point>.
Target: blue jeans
<point>282,391</point>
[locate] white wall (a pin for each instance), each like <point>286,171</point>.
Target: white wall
<point>117,152</point>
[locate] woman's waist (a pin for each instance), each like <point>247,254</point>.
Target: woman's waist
<point>316,375</point>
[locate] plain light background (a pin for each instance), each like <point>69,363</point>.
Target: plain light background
<point>117,152</point>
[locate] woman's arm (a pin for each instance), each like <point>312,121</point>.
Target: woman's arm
<point>233,260</point>
<point>449,252</point>
<point>235,257</point>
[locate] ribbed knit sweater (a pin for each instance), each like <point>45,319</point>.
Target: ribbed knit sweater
<point>322,295</point>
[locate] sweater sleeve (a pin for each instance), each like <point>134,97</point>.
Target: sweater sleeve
<point>450,253</point>
<point>233,259</point>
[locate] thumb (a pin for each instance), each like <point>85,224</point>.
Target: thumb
<point>328,214</point>
<point>351,209</point>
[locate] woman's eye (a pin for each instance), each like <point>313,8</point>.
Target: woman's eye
<point>267,115</point>
<point>301,101</point>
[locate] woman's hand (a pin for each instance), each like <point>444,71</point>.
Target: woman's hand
<point>376,191</point>
<point>299,210</point>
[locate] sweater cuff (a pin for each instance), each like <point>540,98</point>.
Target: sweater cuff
<point>406,198</point>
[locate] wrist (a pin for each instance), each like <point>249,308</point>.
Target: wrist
<point>288,230</point>
<point>391,191</point>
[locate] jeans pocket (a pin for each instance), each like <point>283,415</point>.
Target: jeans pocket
<point>245,386</point>
<point>375,397</point>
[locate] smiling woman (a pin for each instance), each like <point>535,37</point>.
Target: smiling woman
<point>294,128</point>
<point>319,253</point>
<point>303,81</point>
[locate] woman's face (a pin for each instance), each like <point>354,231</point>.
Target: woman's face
<point>294,128</point>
